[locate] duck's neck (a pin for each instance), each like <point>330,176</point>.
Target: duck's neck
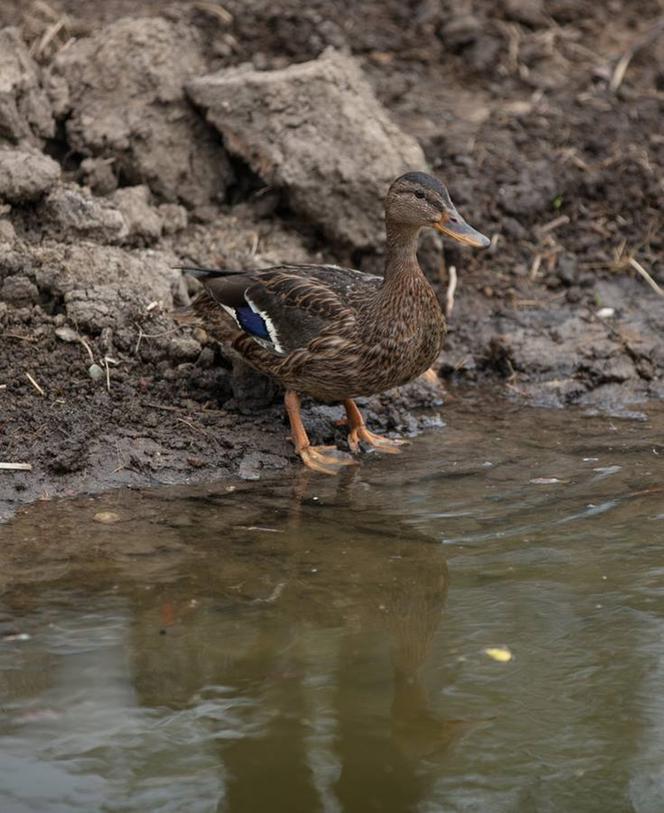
<point>401,252</point>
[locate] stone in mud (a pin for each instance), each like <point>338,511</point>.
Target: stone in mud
<point>19,291</point>
<point>25,175</point>
<point>121,92</point>
<point>143,221</point>
<point>25,111</point>
<point>184,348</point>
<point>317,131</point>
<point>70,211</point>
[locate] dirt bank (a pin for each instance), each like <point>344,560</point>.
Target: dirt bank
<point>135,137</point>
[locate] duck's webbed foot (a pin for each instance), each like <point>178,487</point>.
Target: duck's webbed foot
<point>359,433</point>
<point>323,459</point>
<point>378,442</point>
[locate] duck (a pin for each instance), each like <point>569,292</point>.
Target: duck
<point>337,334</point>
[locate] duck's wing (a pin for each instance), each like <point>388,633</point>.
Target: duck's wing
<point>286,307</point>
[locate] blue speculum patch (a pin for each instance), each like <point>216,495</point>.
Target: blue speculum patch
<point>251,322</point>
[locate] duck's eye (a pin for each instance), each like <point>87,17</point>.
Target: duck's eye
<point>419,195</point>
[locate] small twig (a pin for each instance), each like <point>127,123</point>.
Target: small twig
<point>88,348</point>
<point>35,384</point>
<point>108,374</point>
<point>563,220</point>
<point>254,243</point>
<point>48,12</point>
<point>534,268</point>
<point>646,276</point>
<point>215,10</point>
<point>15,466</point>
<point>164,407</point>
<point>528,303</point>
<point>623,63</point>
<point>192,426</point>
<point>451,288</point>
<point>138,341</point>
<point>50,34</point>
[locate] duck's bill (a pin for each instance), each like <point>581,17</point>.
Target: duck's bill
<point>463,232</point>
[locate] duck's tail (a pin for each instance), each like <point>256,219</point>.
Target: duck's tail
<point>206,273</point>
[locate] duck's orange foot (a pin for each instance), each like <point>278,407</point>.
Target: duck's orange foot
<point>378,442</point>
<point>326,459</point>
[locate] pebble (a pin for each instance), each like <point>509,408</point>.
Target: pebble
<point>95,372</point>
<point>67,334</point>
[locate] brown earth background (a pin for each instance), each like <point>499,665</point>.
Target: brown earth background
<point>139,136</point>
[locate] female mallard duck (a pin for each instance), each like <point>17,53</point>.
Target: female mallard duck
<point>334,333</point>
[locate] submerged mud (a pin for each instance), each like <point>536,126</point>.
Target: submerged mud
<point>116,171</point>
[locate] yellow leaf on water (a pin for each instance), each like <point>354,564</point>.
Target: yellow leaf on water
<point>106,517</point>
<point>499,653</point>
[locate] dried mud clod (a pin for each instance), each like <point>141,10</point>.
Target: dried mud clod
<point>317,131</point>
<point>121,93</point>
<point>25,111</point>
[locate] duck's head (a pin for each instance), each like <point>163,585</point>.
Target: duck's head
<point>420,200</point>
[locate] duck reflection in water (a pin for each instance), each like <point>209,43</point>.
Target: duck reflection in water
<point>316,638</point>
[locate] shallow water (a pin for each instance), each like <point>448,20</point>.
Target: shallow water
<point>305,644</point>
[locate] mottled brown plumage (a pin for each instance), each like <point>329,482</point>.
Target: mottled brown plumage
<point>334,333</point>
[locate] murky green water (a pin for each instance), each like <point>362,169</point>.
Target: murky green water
<point>310,644</point>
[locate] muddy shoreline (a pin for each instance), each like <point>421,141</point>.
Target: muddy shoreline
<point>198,145</point>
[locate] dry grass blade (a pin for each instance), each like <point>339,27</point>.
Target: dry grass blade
<point>35,384</point>
<point>215,10</point>
<point>15,466</point>
<point>49,35</point>
<point>451,288</point>
<point>646,276</point>
<point>623,63</point>
<point>563,220</point>
<point>40,7</point>
<point>535,266</point>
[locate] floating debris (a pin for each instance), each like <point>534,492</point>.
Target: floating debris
<point>15,636</point>
<point>106,517</point>
<point>499,653</point>
<point>545,481</point>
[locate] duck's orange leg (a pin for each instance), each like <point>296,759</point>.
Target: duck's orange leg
<point>324,459</point>
<point>359,432</point>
